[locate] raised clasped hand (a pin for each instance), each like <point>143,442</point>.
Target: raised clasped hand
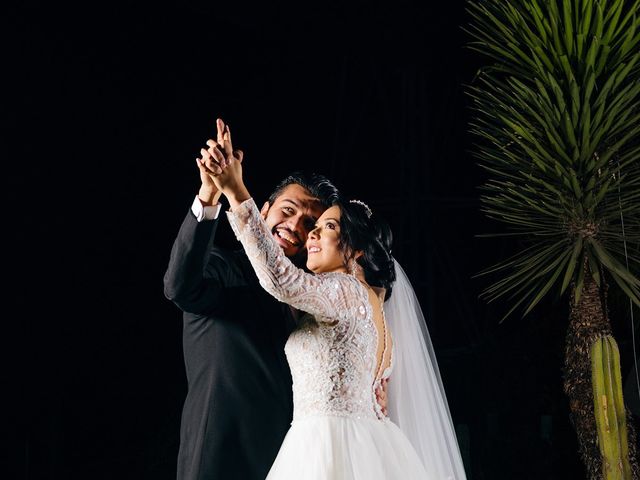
<point>222,165</point>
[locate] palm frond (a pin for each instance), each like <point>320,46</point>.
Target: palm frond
<point>556,114</point>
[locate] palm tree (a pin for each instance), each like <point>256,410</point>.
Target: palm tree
<point>557,117</point>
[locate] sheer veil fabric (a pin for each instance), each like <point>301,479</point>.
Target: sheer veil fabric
<point>416,396</point>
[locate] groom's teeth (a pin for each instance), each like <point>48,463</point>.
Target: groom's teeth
<point>283,235</point>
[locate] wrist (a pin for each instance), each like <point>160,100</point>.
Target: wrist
<point>209,196</point>
<point>237,196</point>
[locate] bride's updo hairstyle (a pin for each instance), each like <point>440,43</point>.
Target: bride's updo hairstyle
<point>362,230</point>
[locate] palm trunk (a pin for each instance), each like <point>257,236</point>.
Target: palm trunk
<point>633,447</point>
<point>588,321</point>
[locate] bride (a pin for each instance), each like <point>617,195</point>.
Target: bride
<point>351,334</point>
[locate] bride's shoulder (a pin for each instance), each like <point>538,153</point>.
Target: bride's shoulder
<point>337,276</point>
<point>342,281</point>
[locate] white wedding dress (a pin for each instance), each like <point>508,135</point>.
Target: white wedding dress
<point>338,431</point>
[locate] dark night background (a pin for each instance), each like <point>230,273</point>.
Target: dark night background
<point>112,105</point>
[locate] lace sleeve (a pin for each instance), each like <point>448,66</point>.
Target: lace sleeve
<point>330,296</point>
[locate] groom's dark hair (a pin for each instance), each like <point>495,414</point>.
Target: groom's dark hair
<point>318,186</point>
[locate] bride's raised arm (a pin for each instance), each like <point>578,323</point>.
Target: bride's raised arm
<point>329,297</point>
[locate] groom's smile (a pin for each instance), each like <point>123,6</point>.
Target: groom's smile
<point>291,217</point>
<point>287,238</point>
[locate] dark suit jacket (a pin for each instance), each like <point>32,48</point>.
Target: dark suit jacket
<point>239,402</point>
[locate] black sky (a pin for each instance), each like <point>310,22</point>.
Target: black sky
<point>112,104</point>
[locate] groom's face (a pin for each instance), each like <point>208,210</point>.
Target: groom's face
<point>291,217</point>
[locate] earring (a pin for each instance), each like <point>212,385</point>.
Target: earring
<point>354,268</point>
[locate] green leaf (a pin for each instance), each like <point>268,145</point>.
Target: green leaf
<point>630,15</point>
<point>585,23</point>
<point>631,292</point>
<point>590,60</point>
<point>568,27</point>
<point>613,149</point>
<point>594,269</point>
<point>523,294</point>
<point>554,21</point>
<point>577,248</point>
<point>602,59</point>
<point>622,74</point>
<point>598,24</point>
<point>612,19</point>
<point>603,191</point>
<point>612,264</point>
<point>559,267</point>
<point>556,112</point>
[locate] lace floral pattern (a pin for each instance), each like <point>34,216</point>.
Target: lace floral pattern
<point>332,352</point>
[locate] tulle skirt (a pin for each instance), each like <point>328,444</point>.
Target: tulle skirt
<point>343,448</point>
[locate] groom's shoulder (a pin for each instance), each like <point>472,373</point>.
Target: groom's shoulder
<point>233,264</point>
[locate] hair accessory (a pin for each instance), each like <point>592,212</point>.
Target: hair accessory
<point>366,207</point>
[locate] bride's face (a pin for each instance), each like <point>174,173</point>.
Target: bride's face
<point>323,244</point>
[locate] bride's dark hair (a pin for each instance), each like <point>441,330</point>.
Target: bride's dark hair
<point>360,230</point>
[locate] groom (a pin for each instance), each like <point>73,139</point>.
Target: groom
<point>239,400</point>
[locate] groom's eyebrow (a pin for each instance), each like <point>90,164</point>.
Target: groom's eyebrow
<point>290,200</point>
<point>301,203</point>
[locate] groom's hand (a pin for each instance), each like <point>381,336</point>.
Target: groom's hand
<point>224,165</point>
<point>209,194</point>
<point>381,395</point>
<point>209,165</point>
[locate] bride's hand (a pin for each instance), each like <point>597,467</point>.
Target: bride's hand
<point>225,167</point>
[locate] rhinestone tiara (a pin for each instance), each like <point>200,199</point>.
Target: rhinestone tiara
<point>366,207</point>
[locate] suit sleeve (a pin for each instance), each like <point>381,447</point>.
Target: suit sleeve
<point>197,272</point>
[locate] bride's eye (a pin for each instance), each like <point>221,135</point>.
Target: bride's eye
<point>331,226</point>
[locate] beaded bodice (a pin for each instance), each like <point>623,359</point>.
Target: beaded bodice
<point>332,352</point>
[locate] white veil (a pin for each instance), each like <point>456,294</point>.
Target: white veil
<point>416,398</point>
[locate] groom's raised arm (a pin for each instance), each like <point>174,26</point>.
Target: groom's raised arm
<point>197,271</point>
<point>190,281</point>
